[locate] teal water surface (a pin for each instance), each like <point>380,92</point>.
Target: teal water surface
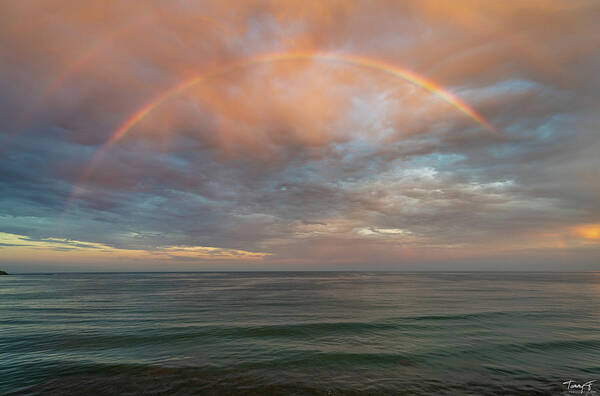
<point>298,333</point>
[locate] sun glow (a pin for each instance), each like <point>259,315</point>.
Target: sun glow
<point>587,231</point>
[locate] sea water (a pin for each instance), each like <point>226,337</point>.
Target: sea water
<point>299,333</point>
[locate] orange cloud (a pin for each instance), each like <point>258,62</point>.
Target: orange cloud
<point>587,231</point>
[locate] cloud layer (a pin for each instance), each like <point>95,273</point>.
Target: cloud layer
<point>299,163</point>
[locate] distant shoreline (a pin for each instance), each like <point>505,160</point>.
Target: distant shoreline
<point>305,272</point>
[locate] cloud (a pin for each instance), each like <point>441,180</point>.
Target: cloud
<point>308,162</point>
<point>20,248</point>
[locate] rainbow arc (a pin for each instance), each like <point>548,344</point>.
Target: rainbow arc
<point>354,60</point>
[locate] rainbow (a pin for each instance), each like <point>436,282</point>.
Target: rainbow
<point>353,60</point>
<point>381,66</point>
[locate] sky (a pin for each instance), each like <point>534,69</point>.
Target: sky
<point>299,135</point>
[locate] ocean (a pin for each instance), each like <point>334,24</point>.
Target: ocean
<point>286,333</point>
